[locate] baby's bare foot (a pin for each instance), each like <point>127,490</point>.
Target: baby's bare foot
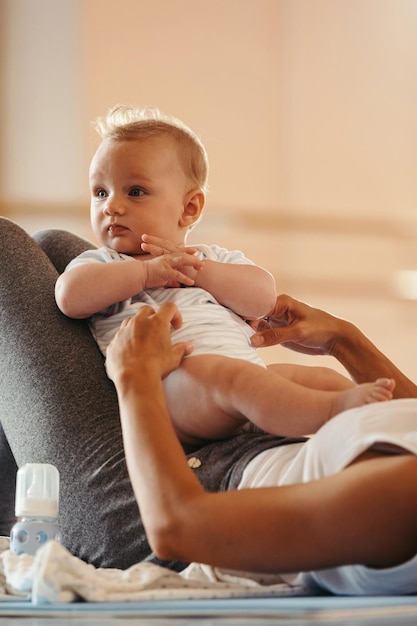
<point>379,391</point>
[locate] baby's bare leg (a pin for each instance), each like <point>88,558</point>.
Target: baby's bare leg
<point>326,379</point>
<point>315,377</point>
<point>212,396</point>
<point>196,396</point>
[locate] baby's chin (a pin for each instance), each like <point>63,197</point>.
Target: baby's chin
<point>120,245</point>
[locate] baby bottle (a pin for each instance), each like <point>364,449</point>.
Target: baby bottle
<point>36,508</point>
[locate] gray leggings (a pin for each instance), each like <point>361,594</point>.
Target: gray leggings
<point>58,406</point>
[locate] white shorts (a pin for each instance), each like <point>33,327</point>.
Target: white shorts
<point>388,426</point>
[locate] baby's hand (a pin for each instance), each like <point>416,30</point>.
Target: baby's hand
<point>172,265</point>
<point>157,246</point>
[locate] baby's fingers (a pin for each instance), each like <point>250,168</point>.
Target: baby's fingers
<point>180,279</point>
<point>157,246</point>
<point>188,260</point>
<point>154,249</point>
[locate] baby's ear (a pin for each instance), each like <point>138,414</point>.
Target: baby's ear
<point>194,203</point>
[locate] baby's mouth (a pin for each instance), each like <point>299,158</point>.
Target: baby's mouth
<point>116,229</point>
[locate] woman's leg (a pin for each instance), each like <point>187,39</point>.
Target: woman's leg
<point>58,406</point>
<point>8,471</point>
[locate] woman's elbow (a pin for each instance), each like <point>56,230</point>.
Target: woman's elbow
<point>176,530</point>
<point>167,542</point>
<point>175,533</point>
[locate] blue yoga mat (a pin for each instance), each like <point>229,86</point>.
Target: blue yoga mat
<point>257,607</point>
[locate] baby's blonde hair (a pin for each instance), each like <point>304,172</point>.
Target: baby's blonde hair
<point>124,123</point>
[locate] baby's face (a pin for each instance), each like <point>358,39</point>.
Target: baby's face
<point>137,187</point>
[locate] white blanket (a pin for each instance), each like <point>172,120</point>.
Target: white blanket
<point>54,575</point>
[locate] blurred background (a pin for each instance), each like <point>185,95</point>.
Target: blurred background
<point>307,109</point>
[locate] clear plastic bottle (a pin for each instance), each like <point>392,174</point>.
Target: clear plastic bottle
<point>36,508</point>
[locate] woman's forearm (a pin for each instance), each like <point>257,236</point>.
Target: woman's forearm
<point>365,362</point>
<point>163,483</point>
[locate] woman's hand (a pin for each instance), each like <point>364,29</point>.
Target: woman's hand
<point>143,347</point>
<point>302,328</point>
<point>298,326</point>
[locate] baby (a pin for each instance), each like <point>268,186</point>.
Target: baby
<point>148,181</point>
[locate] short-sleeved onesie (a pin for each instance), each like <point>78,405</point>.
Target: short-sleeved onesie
<point>210,326</point>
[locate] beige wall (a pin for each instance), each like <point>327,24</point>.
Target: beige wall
<point>307,105</point>
<point>307,109</point>
<point>303,105</point>
<point>41,138</point>
<point>214,64</point>
<point>348,102</point>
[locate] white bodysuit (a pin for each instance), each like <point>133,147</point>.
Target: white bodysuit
<point>210,326</point>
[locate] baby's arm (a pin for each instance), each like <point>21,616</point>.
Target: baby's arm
<point>248,290</point>
<point>88,288</point>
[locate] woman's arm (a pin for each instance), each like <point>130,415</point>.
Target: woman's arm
<point>305,329</point>
<point>181,520</point>
<point>321,524</point>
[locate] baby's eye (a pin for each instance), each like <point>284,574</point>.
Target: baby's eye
<point>101,193</point>
<point>136,191</point>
